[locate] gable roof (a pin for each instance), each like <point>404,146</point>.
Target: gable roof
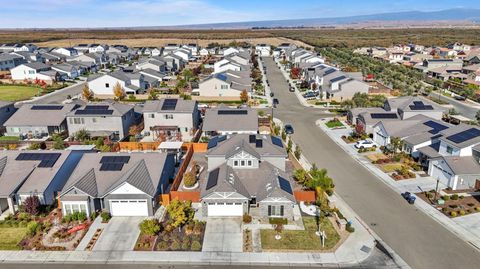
<point>111,108</point>
<point>238,142</point>
<point>215,121</point>
<point>28,115</point>
<point>182,106</point>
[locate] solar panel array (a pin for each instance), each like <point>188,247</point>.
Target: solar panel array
<point>233,112</point>
<point>94,112</point>
<point>47,107</point>
<point>337,79</point>
<point>285,185</point>
<point>113,163</point>
<point>100,107</point>
<point>212,178</point>
<point>46,159</point>
<point>259,143</point>
<point>277,141</point>
<point>329,71</point>
<point>465,135</point>
<point>169,104</point>
<point>212,143</point>
<point>384,116</point>
<point>252,138</point>
<point>436,127</point>
<point>419,105</point>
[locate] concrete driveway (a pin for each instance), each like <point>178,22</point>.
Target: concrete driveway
<point>223,234</point>
<point>121,233</point>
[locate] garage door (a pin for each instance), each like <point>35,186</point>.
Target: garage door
<point>225,209</point>
<point>129,208</point>
<point>442,175</point>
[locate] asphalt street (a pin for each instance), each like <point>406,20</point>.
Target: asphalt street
<point>418,239</point>
<point>61,95</point>
<point>462,107</point>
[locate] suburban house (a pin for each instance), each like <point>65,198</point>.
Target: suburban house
<point>124,184</point>
<point>169,48</point>
<point>9,61</point>
<point>103,85</point>
<point>183,53</point>
<point>33,173</point>
<point>171,119</point>
<point>35,121</point>
<point>394,109</point>
<point>66,51</point>
<point>91,48</point>
<point>17,47</point>
<point>33,71</point>
<point>227,84</point>
<point>67,69</point>
<point>230,50</point>
<point>152,63</point>
<point>247,171</point>
<point>263,50</point>
<point>223,120</point>
<point>6,111</point>
<point>108,119</point>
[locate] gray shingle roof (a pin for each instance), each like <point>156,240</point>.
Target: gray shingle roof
<point>463,165</point>
<point>216,122</point>
<point>25,116</point>
<point>183,106</point>
<point>235,142</point>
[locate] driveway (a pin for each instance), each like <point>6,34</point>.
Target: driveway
<point>121,233</point>
<point>223,234</point>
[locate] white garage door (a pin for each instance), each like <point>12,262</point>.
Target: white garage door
<point>444,176</point>
<point>225,209</point>
<point>129,208</point>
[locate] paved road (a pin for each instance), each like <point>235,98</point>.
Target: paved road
<point>418,239</point>
<point>466,109</point>
<point>61,95</point>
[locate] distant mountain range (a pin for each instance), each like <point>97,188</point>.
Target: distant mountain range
<point>457,16</point>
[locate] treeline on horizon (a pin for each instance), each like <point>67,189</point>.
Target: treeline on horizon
<point>340,38</point>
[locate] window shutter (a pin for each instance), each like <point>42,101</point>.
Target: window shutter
<point>269,210</point>
<point>281,210</point>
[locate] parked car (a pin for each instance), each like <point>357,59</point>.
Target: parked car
<point>309,95</point>
<point>289,129</point>
<point>460,98</point>
<point>275,101</point>
<point>271,94</point>
<point>291,89</point>
<point>364,144</point>
<point>409,197</point>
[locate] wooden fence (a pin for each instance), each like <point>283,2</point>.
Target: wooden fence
<point>305,196</point>
<point>193,196</point>
<point>183,167</point>
<point>133,146</point>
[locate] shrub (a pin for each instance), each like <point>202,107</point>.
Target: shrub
<point>453,214</point>
<point>429,195</point>
<point>23,223</point>
<point>454,197</point>
<point>196,246</point>
<point>477,208</point>
<point>33,227</point>
<point>446,198</point>
<point>93,216</point>
<point>185,244</point>
<point>105,216</point>
<point>162,245</point>
<point>31,205</point>
<point>23,216</point>
<point>189,179</point>
<point>247,218</point>
<point>349,228</point>
<point>461,196</point>
<point>175,245</point>
<point>149,226</point>
<point>277,221</point>
<point>462,212</point>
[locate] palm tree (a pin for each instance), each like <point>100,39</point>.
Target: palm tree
<point>319,178</point>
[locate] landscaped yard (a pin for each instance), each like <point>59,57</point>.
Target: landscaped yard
<point>17,93</point>
<point>301,240</point>
<point>335,123</point>
<point>11,237</point>
<point>391,167</point>
<point>9,138</point>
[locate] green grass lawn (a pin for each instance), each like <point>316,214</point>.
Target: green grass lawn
<point>301,240</point>
<point>9,138</point>
<point>333,124</point>
<point>390,167</point>
<point>10,237</point>
<point>17,93</point>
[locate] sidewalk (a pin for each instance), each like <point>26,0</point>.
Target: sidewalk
<point>400,187</point>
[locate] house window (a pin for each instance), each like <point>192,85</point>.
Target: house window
<point>107,85</point>
<point>235,163</point>
<point>31,72</point>
<point>77,120</point>
<point>94,120</point>
<point>275,210</point>
<point>151,116</point>
<point>449,150</point>
<point>224,87</point>
<point>168,116</point>
<point>249,162</point>
<point>242,163</point>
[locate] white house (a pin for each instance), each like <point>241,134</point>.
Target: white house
<point>204,52</point>
<point>230,51</point>
<point>263,50</point>
<point>33,71</point>
<point>9,61</point>
<point>132,83</point>
<point>224,85</point>
<point>185,54</point>
<point>66,51</point>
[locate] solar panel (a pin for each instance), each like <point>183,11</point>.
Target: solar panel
<point>337,79</point>
<point>252,138</point>
<point>212,178</point>
<point>46,159</point>
<point>101,107</point>
<point>212,143</point>
<point>384,116</point>
<point>285,185</point>
<point>277,141</point>
<point>221,138</point>
<point>259,143</point>
<point>49,107</point>
<point>115,159</point>
<point>233,112</point>
<point>436,127</point>
<point>329,71</point>
<point>111,167</point>
<point>94,112</point>
<point>465,135</point>
<point>419,105</point>
<point>169,104</point>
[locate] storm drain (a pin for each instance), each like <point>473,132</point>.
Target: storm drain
<point>365,249</point>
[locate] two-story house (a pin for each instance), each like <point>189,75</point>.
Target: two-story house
<point>227,84</point>
<point>33,71</point>
<point>171,119</point>
<point>9,61</point>
<point>223,120</point>
<point>246,171</point>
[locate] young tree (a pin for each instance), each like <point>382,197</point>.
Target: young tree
<point>149,226</point>
<point>179,212</point>
<point>87,93</point>
<point>81,135</point>
<point>119,92</point>
<point>300,175</point>
<point>396,143</point>
<point>319,178</point>
<point>244,96</point>
<point>58,142</point>
<point>297,152</point>
<point>32,205</point>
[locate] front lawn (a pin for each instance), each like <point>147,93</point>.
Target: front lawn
<point>17,93</point>
<point>9,138</point>
<point>11,237</point>
<point>301,240</point>
<point>334,123</point>
<point>391,167</point>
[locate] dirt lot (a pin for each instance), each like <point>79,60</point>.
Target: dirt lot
<point>158,42</point>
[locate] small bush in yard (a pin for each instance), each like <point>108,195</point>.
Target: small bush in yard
<point>186,244</point>
<point>175,245</point>
<point>105,216</point>
<point>453,214</point>
<point>247,218</point>
<point>349,228</point>
<point>196,246</point>
<point>93,216</point>
<point>454,197</point>
<point>477,208</point>
<point>149,227</point>
<point>462,212</point>
<point>162,245</point>
<point>33,227</point>
<point>446,198</point>
<point>461,196</point>
<point>189,179</point>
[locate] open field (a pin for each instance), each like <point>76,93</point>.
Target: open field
<point>158,42</point>
<point>10,237</point>
<point>17,93</point>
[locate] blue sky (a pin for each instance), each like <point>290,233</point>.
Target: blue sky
<point>120,13</point>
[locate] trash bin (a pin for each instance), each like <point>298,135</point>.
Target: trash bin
<point>411,199</point>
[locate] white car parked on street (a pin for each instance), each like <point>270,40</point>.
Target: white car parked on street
<point>365,144</point>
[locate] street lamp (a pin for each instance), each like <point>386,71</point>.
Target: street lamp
<point>436,188</point>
